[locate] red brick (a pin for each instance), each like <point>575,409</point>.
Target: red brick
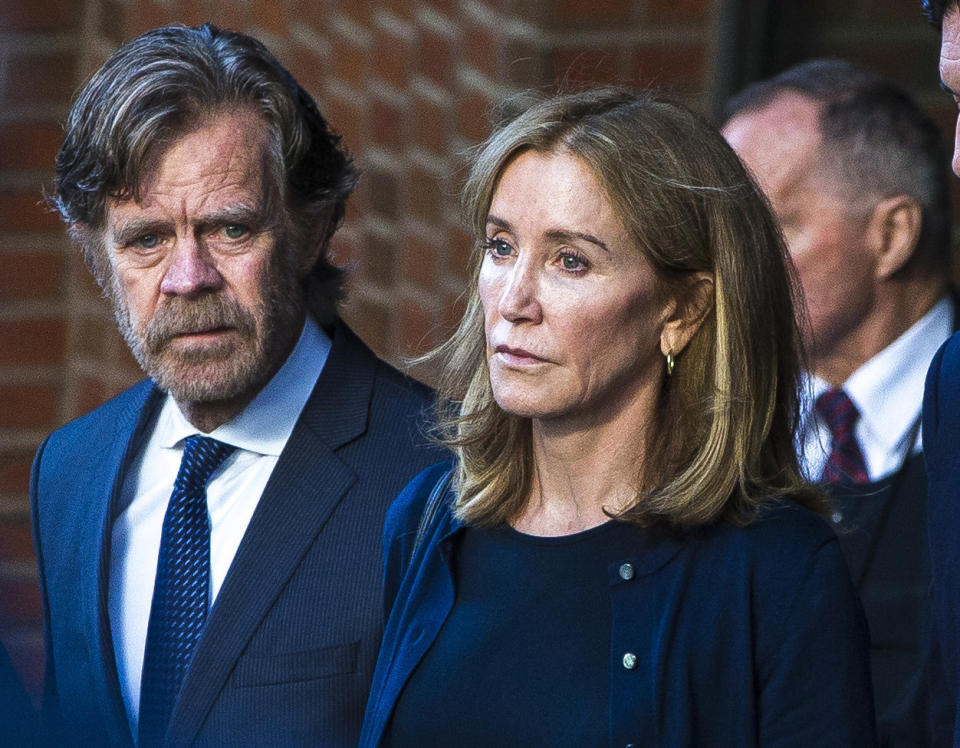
<point>699,11</point>
<point>483,51</point>
<point>16,542</point>
<point>15,472</point>
<point>454,306</point>
<point>527,64</point>
<point>271,15</point>
<point>29,145</point>
<point>21,603</point>
<point>35,78</point>
<point>48,15</point>
<point>344,252</point>
<point>460,253</point>
<point>31,274</point>
<point>311,70</point>
<point>113,21</point>
<point>350,62</point>
<point>419,261</point>
<point>594,13</point>
<point>383,193</point>
<point>38,341</point>
<point>149,14</point>
<point>372,323</point>
<point>473,117</point>
<point>358,10</point>
<point>678,66</point>
<point>188,12</point>
<point>435,57</point>
<point>234,16</point>
<point>27,406</point>
<point>24,210</point>
<point>415,329</point>
<point>387,122</point>
<point>390,60</point>
<point>89,394</point>
<point>424,196</point>
<point>432,127</point>
<point>378,264</point>
<point>578,67</point>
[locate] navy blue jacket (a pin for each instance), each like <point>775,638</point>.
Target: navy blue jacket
<point>941,450</point>
<point>289,646</point>
<point>742,636</point>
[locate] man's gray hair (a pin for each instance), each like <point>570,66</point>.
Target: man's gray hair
<point>158,86</point>
<point>876,142</point>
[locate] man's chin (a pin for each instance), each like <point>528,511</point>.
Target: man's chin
<point>207,381</point>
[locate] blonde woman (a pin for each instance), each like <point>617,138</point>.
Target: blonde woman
<point>624,552</point>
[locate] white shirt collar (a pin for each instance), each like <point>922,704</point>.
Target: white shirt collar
<point>888,392</point>
<point>266,423</point>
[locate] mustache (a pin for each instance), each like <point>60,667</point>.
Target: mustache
<point>179,316</point>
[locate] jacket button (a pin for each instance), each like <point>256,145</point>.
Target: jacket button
<point>626,571</point>
<point>629,660</point>
<point>836,518</point>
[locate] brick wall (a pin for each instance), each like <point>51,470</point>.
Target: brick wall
<point>410,84</point>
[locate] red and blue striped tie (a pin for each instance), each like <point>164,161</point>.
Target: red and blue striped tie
<point>845,463</point>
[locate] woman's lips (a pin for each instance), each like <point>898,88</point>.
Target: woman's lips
<point>518,356</point>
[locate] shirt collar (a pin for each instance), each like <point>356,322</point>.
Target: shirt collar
<point>267,422</point>
<point>888,389</point>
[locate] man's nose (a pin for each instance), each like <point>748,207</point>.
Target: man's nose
<point>191,270</point>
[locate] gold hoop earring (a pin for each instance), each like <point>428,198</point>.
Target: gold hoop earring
<point>670,363</point>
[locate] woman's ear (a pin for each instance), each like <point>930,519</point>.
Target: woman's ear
<point>686,312</point>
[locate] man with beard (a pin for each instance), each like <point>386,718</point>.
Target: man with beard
<point>208,541</point>
<point>857,175</point>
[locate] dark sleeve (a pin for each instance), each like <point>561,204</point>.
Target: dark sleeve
<point>49,708</point>
<point>18,721</point>
<point>815,683</point>
<point>400,530</point>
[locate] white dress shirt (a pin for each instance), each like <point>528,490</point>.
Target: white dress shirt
<point>888,392</point>
<point>259,433</point>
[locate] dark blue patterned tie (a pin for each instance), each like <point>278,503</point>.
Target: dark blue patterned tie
<point>845,463</point>
<point>179,607</point>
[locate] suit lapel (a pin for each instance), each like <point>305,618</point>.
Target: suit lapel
<point>307,483</point>
<point>101,492</point>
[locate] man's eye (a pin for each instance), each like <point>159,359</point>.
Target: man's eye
<point>235,231</point>
<point>147,241</point>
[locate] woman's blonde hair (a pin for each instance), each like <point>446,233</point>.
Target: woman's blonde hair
<point>724,433</point>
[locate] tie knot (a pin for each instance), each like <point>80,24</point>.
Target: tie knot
<point>201,458</point>
<point>839,413</point>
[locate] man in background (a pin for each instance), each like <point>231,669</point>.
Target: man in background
<point>941,436</point>
<point>856,174</point>
<point>209,541</point>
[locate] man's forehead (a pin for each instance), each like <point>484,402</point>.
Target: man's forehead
<point>950,51</point>
<point>224,155</point>
<point>778,141</point>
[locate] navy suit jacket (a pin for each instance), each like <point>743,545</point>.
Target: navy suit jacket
<point>290,644</point>
<point>941,449</point>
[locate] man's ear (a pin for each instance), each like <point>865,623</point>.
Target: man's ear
<point>893,232</point>
<point>686,312</point>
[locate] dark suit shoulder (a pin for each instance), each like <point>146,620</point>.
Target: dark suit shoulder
<point>119,407</point>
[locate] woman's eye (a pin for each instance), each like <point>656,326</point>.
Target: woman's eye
<point>498,247</point>
<point>572,262</point>
<point>234,231</point>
